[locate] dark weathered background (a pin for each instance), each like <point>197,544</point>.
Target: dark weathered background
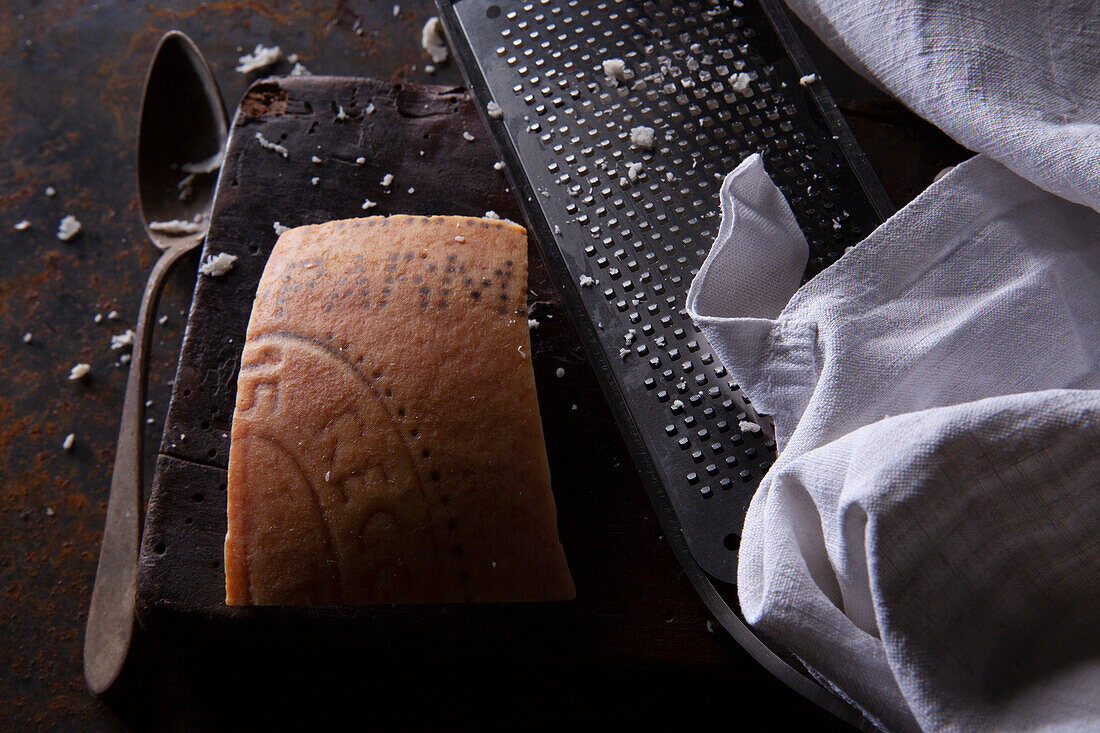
<point>70,82</point>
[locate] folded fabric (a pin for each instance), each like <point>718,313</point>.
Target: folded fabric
<point>1018,80</point>
<point>927,539</point>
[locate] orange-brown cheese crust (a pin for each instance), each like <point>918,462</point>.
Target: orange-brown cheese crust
<point>386,444</point>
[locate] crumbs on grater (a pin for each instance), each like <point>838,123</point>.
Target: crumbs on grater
<point>643,136</point>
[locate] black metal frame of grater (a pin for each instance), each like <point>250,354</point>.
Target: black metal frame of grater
<point>623,248</point>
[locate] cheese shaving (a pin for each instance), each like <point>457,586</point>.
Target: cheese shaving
<point>217,265</point>
<point>123,340</point>
<point>68,228</point>
<point>175,227</point>
<point>643,136</point>
<point>433,42</point>
<point>260,58</point>
<point>209,165</point>
<point>273,147</point>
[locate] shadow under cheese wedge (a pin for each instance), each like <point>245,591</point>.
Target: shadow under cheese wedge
<point>386,443</point>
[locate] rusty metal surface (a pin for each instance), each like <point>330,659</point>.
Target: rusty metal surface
<point>70,81</point>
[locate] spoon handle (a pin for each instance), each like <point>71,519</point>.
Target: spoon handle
<point>110,627</point>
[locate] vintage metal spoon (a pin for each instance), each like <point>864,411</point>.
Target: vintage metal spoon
<point>181,137</point>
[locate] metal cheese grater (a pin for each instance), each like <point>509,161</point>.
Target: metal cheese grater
<point>717,82</point>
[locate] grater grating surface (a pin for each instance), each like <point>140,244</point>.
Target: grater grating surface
<point>716,85</point>
<point>717,82</point>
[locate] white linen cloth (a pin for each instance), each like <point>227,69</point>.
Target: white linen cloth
<point>928,539</point>
<point>1018,80</point>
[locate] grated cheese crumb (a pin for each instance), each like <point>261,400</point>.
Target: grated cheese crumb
<point>493,110</point>
<point>740,82</point>
<point>491,215</point>
<point>559,372</point>
<point>467,136</point>
<point>499,165</point>
<point>79,371</point>
<point>396,10</point>
<point>615,70</point>
<point>315,180</point>
<point>175,227</point>
<point>112,316</point>
<point>341,115</point>
<point>28,337</point>
<point>207,165</point>
<point>387,180</point>
<point>368,204</point>
<point>643,136</point>
<point>50,512</point>
<point>360,160</point>
<point>123,340</point>
<point>50,191</point>
<point>677,405</point>
<point>411,190</point>
<point>217,265</point>
<point>532,323</point>
<point>587,281</point>
<point>623,353</point>
<point>749,426</point>
<point>459,238</point>
<point>629,336</point>
<point>633,170</point>
<point>432,40</point>
<point>300,70</point>
<point>67,444</point>
<point>807,80</point>
<point>429,69</point>
<point>260,58</point>
<point>22,226</point>
<point>316,159</point>
<point>273,147</point>
<point>279,228</point>
<point>68,228</point>
<point>162,320</point>
<point>370,108</point>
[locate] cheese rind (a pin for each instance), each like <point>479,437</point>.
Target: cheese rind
<point>386,443</point>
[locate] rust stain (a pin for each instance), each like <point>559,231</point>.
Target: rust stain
<point>264,98</point>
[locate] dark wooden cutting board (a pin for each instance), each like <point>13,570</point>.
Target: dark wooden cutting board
<point>632,604</point>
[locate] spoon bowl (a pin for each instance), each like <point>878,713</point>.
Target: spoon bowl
<point>181,135</point>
